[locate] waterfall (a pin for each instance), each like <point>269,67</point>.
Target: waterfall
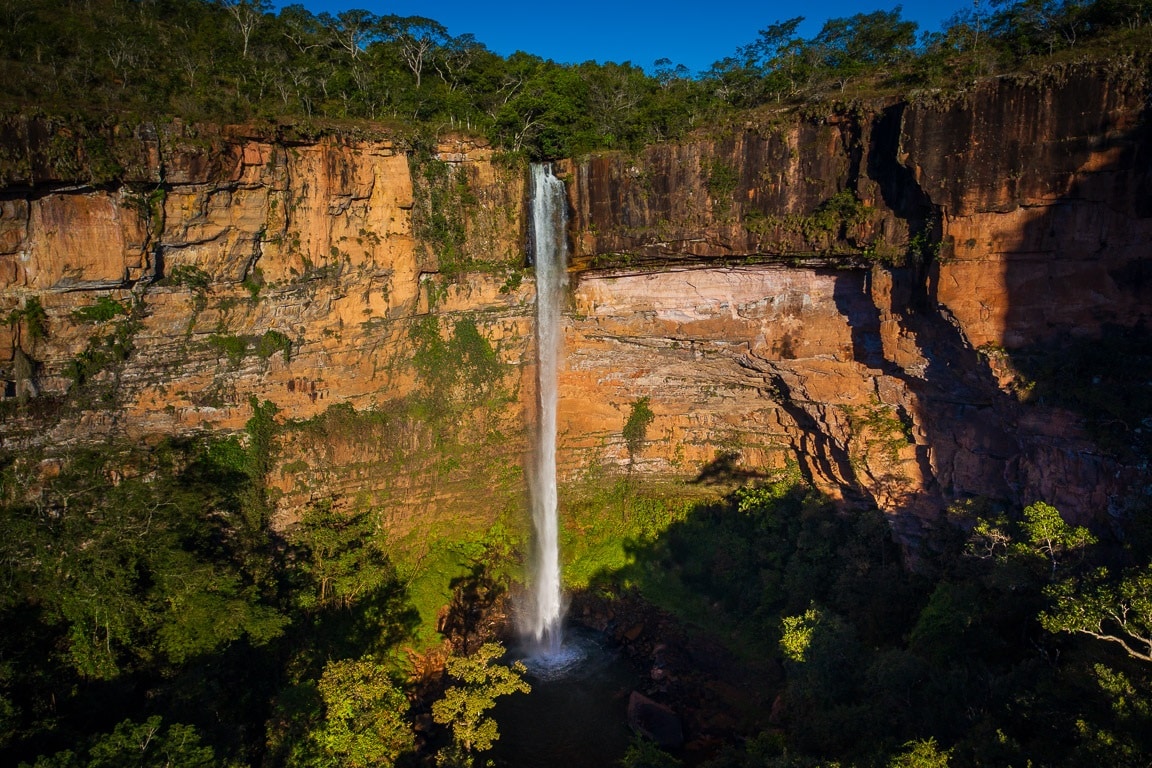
<point>549,234</point>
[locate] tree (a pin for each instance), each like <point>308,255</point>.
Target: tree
<point>247,14</point>
<point>1040,26</point>
<point>667,72</point>
<point>418,38</point>
<point>848,46</point>
<point>301,27</point>
<point>139,745</point>
<point>455,56</point>
<point>921,754</point>
<point>342,555</point>
<point>364,716</point>
<point>352,29</point>
<point>464,706</point>
<point>1118,612</point>
<point>777,55</point>
<point>796,634</point>
<point>1049,536</point>
<point>128,558</point>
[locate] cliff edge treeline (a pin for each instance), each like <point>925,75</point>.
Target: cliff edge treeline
<point>97,61</point>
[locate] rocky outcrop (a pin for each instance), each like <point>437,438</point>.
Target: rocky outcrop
<point>845,294</point>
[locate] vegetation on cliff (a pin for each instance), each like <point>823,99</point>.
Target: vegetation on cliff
<point>237,60</point>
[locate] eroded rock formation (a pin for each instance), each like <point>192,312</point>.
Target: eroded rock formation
<point>746,284</point>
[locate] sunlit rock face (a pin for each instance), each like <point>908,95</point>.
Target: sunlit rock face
<point>1039,198</point>
<point>738,281</point>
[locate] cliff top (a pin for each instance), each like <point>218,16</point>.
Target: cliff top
<point>210,63</point>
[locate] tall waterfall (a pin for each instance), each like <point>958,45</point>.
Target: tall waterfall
<point>549,232</point>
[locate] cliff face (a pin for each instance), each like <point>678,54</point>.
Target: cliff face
<point>1022,216</point>
<point>235,267</point>
<point>743,283</point>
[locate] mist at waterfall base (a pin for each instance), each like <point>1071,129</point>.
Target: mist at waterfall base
<point>549,251</point>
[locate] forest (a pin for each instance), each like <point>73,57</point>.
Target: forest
<point>238,61</point>
<point>153,615</point>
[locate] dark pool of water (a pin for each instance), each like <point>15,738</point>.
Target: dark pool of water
<point>576,714</point>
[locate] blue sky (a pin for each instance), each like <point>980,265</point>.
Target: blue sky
<point>691,33</point>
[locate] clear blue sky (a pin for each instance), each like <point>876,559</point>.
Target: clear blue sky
<point>691,33</point>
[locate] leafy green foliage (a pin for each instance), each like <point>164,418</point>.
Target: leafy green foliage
<point>364,717</point>
<point>442,202</point>
<point>232,347</point>
<point>434,564</point>
<point>127,568</point>
<point>347,586</point>
<point>606,520</point>
<point>1114,610</point>
<point>271,342</point>
<point>635,430</point>
<point>920,754</point>
<point>138,745</point>
<point>236,348</point>
<point>722,181</point>
<point>644,753</point>
<point>345,555</point>
<point>465,706</point>
<point>102,311</point>
<point>239,60</point>
<point>104,352</point>
<point>32,317</point>
<point>156,568</point>
<point>796,634</point>
<point>1049,536</point>
<point>189,276</point>
<point>457,374</point>
<point>951,666</point>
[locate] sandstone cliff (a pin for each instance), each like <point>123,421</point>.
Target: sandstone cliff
<point>849,292</point>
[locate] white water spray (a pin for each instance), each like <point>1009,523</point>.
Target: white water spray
<point>549,231</point>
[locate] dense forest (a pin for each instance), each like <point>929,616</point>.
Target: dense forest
<point>236,60</point>
<point>151,615</point>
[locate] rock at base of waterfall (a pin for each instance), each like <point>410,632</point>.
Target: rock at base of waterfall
<point>654,721</point>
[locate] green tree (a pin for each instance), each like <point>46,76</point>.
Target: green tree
<point>342,554</point>
<point>1048,536</point>
<point>364,717</point>
<point>465,706</point>
<point>1111,610</point>
<point>128,556</point>
<point>865,41</point>
<point>921,754</point>
<point>796,634</point>
<point>138,745</point>
<point>345,583</point>
<point>778,54</point>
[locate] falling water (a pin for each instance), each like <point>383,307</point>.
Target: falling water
<point>549,227</point>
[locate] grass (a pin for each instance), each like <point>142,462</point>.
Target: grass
<point>603,521</point>
<point>428,562</point>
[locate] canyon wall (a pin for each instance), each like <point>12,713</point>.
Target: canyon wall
<point>851,294</point>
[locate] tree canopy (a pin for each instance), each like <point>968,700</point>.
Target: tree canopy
<point>240,60</point>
